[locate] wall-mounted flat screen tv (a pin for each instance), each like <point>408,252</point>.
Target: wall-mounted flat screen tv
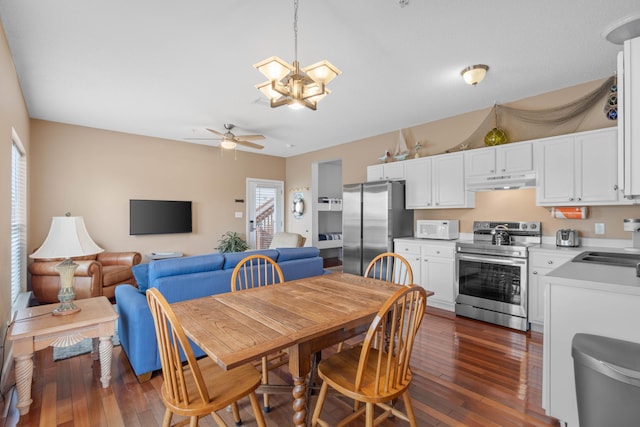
<point>159,217</point>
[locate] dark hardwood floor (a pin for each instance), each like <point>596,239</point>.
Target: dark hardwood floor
<point>466,373</point>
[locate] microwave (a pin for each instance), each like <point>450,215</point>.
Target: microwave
<point>447,229</point>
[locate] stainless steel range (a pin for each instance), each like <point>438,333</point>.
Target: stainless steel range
<point>491,272</point>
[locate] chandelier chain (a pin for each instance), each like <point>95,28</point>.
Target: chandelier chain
<point>295,29</point>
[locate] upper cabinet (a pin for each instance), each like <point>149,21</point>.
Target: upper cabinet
<point>629,118</point>
<point>437,182</point>
<point>578,169</point>
<point>386,171</point>
<point>508,158</point>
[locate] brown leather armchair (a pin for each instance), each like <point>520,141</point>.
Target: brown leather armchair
<point>96,275</point>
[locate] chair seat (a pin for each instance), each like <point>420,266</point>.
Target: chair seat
<point>224,387</point>
<point>339,371</point>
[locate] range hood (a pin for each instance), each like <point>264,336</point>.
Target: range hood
<point>510,181</point>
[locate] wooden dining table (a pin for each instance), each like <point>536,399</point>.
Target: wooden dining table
<point>303,316</point>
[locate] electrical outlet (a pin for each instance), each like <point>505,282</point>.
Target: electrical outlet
<point>599,228</point>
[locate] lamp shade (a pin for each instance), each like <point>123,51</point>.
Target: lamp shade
<point>68,237</point>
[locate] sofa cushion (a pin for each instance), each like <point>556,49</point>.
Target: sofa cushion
<point>114,274</point>
<point>232,259</point>
<point>288,254</point>
<point>186,265</point>
<point>141,274</point>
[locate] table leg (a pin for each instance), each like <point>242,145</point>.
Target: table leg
<point>299,367</point>
<point>95,352</point>
<point>24,376</point>
<point>106,350</point>
<point>299,401</point>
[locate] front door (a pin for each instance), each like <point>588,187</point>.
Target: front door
<point>265,211</point>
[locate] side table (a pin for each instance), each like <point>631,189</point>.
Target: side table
<point>35,328</point>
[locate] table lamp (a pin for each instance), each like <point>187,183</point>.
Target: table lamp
<point>68,237</point>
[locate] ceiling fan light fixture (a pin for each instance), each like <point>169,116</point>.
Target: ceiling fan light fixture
<point>474,74</point>
<point>288,84</point>
<point>227,144</point>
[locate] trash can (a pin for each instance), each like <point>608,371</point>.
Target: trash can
<point>607,373</point>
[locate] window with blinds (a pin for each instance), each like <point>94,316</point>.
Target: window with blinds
<point>18,221</point>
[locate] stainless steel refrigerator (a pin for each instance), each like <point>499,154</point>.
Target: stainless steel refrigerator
<point>373,214</point>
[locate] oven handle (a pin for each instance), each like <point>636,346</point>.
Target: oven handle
<point>491,259</point>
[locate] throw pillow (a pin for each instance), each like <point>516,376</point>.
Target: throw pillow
<point>141,274</point>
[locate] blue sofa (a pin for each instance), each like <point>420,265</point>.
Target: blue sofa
<point>181,279</point>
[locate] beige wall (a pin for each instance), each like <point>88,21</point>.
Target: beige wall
<point>13,114</point>
<point>93,173</point>
<point>445,134</point>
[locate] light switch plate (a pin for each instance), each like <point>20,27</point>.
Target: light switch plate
<point>599,228</point>
<point>238,214</point>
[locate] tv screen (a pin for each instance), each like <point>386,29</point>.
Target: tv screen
<point>159,217</point>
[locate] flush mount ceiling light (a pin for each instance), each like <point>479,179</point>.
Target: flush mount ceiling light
<point>292,86</point>
<point>474,74</point>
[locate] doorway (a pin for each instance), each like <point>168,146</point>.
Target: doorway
<point>265,211</point>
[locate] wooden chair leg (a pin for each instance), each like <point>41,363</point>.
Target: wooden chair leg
<point>236,413</point>
<point>265,381</point>
<point>319,404</point>
<point>166,422</point>
<point>256,410</point>
<point>409,408</point>
<point>369,414</point>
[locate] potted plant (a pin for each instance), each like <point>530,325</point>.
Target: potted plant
<point>232,242</point>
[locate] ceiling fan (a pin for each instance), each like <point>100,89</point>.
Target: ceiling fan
<point>229,141</point>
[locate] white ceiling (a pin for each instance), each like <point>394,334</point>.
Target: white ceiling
<point>170,69</point>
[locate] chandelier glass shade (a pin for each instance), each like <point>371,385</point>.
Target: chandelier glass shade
<point>288,84</point>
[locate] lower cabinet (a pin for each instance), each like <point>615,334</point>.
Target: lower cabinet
<point>541,262</point>
<point>433,267</point>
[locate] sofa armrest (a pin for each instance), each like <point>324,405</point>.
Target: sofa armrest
<point>120,258</point>
<point>136,329</point>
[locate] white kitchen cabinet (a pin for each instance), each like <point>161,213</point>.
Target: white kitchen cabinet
<point>438,274</point>
<point>542,262</point>
<point>418,187</point>
<point>508,158</point>
<point>411,252</point>
<point>386,171</point>
<point>578,169</point>
<point>433,267</point>
<point>629,118</point>
<point>437,182</point>
<point>583,298</point>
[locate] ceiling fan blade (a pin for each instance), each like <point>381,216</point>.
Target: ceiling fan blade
<point>249,144</point>
<point>215,131</point>
<point>250,137</point>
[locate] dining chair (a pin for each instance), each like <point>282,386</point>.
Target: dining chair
<point>254,271</point>
<point>197,387</point>
<point>390,267</point>
<point>377,372</point>
<point>251,272</point>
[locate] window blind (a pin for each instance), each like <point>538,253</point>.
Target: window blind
<point>18,221</point>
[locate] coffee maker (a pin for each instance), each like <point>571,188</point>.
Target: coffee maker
<point>633,225</point>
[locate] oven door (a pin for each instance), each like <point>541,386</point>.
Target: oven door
<point>492,283</point>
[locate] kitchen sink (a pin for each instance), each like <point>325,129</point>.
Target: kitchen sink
<point>609,258</point>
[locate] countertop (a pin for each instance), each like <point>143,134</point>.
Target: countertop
<point>597,276</point>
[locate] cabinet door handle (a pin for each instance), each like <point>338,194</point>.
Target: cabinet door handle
<point>504,170</point>
<point>579,198</point>
<point>550,261</point>
<point>534,272</point>
<point>615,187</point>
<point>571,199</point>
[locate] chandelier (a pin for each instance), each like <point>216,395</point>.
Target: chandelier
<point>289,84</point>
